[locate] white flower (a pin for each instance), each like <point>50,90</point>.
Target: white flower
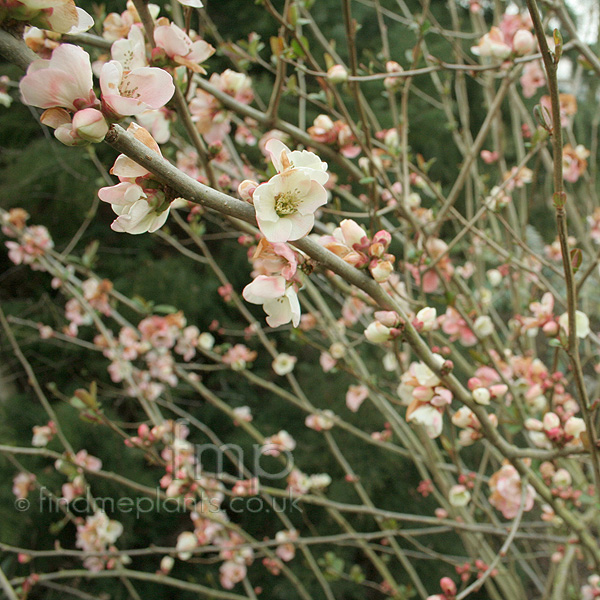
<point>279,300</point>
<point>285,204</point>
<point>483,326</point>
<point>582,323</point>
<point>284,364</point>
<point>430,418</point>
<point>283,158</point>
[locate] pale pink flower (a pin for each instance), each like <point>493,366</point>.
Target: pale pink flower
<point>87,461</point>
<point>139,209</point>
<point>533,78</point>
<point>279,300</point>
<point>322,421</point>
<point>230,573</point>
<point>238,357</point>
<point>355,396</point>
<point>505,485</point>
<point>179,47</point>
<point>286,550</point>
<point>42,434</point>
<point>275,444</point>
<point>456,327</point>
<point>126,93</point>
<point>65,80</point>
<point>157,123</point>
<point>212,120</point>
<point>327,362</point>
<point>96,535</point>
<point>23,483</point>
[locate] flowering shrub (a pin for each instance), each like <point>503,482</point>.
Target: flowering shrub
<point>418,394</point>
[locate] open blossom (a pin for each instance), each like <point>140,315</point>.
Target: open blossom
<point>131,51</point>
<point>140,204</point>
<point>63,81</point>
<point>180,48</point>
<point>582,323</point>
<point>280,442</point>
<point>355,396</point>
<point>533,78</point>
<point>230,573</point>
<point>284,364</point>
<point>574,162</point>
<point>96,535</point>
<point>212,120</point>
<point>33,244</point>
<point>127,93</point>
<point>285,204</point>
<point>279,299</point>
<point>505,485</point>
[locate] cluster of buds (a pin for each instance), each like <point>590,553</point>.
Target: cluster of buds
<point>334,133</point>
<point>560,483</point>
<point>465,418</point>
<point>350,242</point>
<point>485,387</point>
<point>554,430</point>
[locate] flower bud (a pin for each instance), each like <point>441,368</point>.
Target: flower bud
<point>523,42</point>
<point>574,427</point>
<point>90,125</point>
<point>377,333</point>
<point>246,189</point>
<point>551,421</point>
<point>481,396</point>
<point>389,318</point>
<point>494,277</point>
<point>458,496</point>
<point>448,586</point>
<point>337,74</point>
<point>381,270</point>
<point>425,319</point>
<point>562,478</point>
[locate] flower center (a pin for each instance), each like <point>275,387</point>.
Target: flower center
<point>286,203</point>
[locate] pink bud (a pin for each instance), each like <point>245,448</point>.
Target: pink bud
<point>389,318</point>
<point>90,125</point>
<point>448,586</point>
<point>246,190</point>
<point>523,42</point>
